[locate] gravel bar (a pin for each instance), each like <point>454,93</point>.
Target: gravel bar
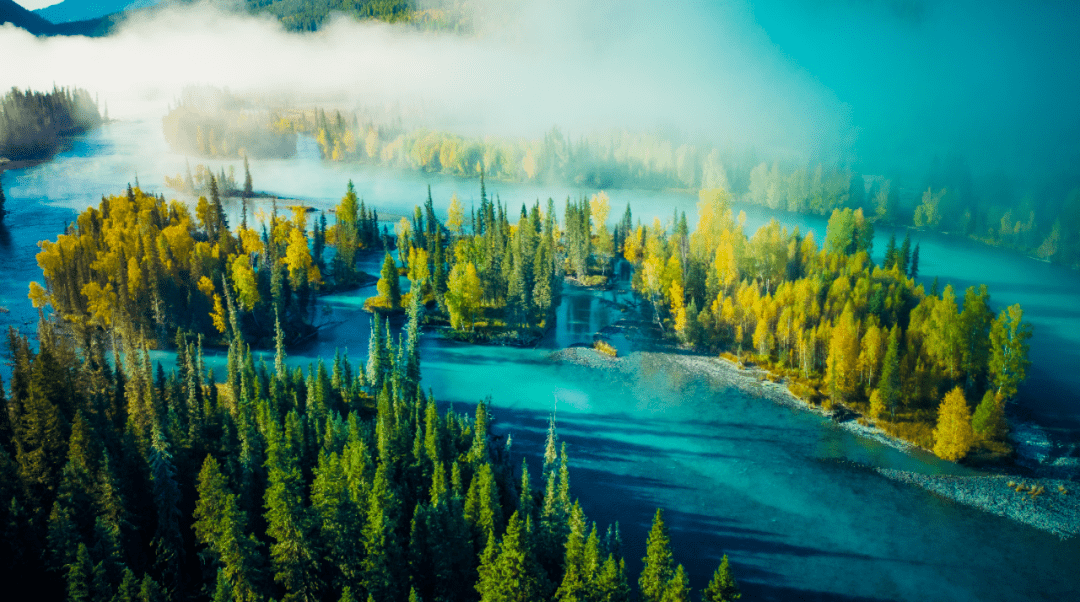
<point>1052,510</point>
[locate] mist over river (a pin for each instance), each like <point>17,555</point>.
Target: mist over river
<point>790,496</point>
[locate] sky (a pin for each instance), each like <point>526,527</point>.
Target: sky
<point>36,4</point>
<point>882,85</point>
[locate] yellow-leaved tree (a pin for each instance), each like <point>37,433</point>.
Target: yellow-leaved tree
<point>463,296</point>
<point>953,436</point>
<point>455,220</point>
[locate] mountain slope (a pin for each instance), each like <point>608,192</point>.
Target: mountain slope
<point>10,12</point>
<point>81,10</point>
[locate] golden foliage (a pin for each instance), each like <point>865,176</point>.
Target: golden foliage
<point>953,436</point>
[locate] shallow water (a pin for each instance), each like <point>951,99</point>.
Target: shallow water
<point>792,498</point>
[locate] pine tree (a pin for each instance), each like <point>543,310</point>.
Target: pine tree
<point>576,576</point>
<point>678,588</point>
<point>723,587</point>
<point>953,436</point>
<point>989,419</point>
<point>513,575</point>
<point>913,270</point>
<point>389,286</point>
<point>221,527</point>
<point>168,542</point>
<point>658,570</point>
<point>79,573</point>
<point>289,520</point>
<point>889,384</point>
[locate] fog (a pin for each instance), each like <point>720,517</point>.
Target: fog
<point>529,67</point>
<point>881,85</point>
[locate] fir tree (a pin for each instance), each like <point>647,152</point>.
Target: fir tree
<point>889,384</point>
<point>513,574</point>
<point>658,570</point>
<point>723,587</point>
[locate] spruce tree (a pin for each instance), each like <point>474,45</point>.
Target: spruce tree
<point>513,575</point>
<point>289,521</point>
<point>889,384</point>
<point>389,285</point>
<point>723,587</point>
<point>79,573</point>
<point>658,570</point>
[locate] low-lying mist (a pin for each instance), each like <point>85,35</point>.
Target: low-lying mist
<point>882,86</point>
<point>705,71</point>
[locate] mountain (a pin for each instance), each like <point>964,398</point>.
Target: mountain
<point>20,17</point>
<point>81,10</point>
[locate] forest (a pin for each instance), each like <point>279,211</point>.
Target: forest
<point>33,124</point>
<point>1043,222</point>
<point>296,15</point>
<point>851,335</point>
<point>490,279</point>
<point>848,332</point>
<point>124,481</point>
<point>138,264</point>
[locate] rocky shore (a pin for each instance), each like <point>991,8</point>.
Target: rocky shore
<point>1056,509</point>
<point>1051,510</point>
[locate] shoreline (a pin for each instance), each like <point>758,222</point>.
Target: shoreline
<point>1053,511</point>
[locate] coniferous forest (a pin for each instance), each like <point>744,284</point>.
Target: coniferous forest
<point>32,124</point>
<point>124,481</point>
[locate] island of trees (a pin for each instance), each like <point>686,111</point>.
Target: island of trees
<point>34,124</point>
<point>849,333</point>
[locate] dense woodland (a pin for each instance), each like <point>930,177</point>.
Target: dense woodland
<point>305,15</point>
<point>141,265</point>
<point>850,332</point>
<point>1043,221</point>
<point>125,482</point>
<point>492,274</point>
<point>33,124</point>
<point>211,123</point>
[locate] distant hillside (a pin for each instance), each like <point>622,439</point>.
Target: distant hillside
<point>309,15</point>
<point>82,10</point>
<point>10,12</point>
<point>20,17</point>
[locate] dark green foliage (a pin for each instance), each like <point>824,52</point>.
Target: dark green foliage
<point>32,124</point>
<point>144,484</point>
<point>989,418</point>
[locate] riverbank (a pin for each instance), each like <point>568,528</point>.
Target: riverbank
<point>1056,509</point>
<point>1051,510</point>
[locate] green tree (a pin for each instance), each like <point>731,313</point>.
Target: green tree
<point>658,570</point>
<point>989,419</point>
<point>723,587</point>
<point>346,238</point>
<point>389,285</point>
<point>221,527</point>
<point>889,385</point>
<point>1009,351</point>
<point>511,575</point>
<point>78,576</point>
<point>293,552</point>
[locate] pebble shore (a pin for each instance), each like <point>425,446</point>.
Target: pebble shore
<point>1052,511</point>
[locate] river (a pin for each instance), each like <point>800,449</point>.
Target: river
<point>792,498</point>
